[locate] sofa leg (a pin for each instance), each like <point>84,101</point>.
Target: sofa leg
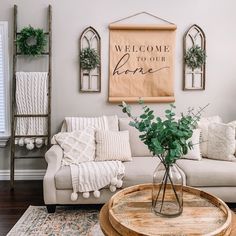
<point>51,208</point>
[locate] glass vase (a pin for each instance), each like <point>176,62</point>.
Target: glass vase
<point>167,193</point>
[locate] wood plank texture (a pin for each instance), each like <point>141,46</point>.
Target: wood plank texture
<point>130,213</point>
<point>14,203</point>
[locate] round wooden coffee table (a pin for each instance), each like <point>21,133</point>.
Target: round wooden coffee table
<point>129,213</point>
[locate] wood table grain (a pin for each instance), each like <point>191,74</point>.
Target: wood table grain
<point>129,213</point>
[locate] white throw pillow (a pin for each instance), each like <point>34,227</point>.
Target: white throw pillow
<point>194,153</point>
<point>77,123</point>
<point>71,124</point>
<point>80,123</point>
<point>203,125</point>
<point>78,146</point>
<point>221,142</point>
<point>112,145</point>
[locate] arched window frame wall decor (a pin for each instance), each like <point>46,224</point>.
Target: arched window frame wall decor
<point>194,79</point>
<point>87,77</point>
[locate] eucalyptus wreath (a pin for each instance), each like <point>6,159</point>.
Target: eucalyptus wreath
<point>195,57</point>
<point>89,59</point>
<point>31,41</point>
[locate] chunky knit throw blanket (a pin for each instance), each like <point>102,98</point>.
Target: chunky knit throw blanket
<point>93,176</point>
<point>31,98</point>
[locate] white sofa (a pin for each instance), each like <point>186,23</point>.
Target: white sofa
<point>215,177</point>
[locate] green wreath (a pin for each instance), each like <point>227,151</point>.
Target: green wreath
<point>195,57</point>
<point>89,59</point>
<point>31,41</point>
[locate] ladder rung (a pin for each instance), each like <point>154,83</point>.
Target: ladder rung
<point>28,157</point>
<point>30,136</point>
<point>19,33</point>
<point>31,115</point>
<point>42,54</point>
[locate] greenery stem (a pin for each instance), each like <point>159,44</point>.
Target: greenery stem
<point>162,182</point>
<point>164,191</point>
<point>173,187</point>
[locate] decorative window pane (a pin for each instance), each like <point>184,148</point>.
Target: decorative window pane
<point>90,80</point>
<point>194,79</point>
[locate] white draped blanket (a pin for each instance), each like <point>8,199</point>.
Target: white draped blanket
<point>31,98</point>
<point>93,176</point>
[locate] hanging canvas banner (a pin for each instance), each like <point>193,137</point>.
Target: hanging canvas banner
<point>141,63</point>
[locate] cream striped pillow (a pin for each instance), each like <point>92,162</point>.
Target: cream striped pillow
<point>112,145</point>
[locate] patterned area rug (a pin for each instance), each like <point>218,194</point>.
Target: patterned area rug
<point>66,221</point>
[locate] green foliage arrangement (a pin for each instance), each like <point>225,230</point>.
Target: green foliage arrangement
<point>195,57</point>
<point>27,36</point>
<point>89,59</point>
<point>168,138</point>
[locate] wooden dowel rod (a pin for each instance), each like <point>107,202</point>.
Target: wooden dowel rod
<point>28,157</point>
<point>145,99</point>
<point>142,27</point>
<point>19,33</point>
<point>42,54</point>
<point>31,115</point>
<point>30,136</point>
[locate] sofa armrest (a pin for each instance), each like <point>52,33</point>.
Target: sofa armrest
<point>53,157</point>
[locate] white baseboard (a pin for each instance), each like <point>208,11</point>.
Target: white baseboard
<point>23,174</point>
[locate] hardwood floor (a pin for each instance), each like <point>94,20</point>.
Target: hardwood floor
<point>14,203</point>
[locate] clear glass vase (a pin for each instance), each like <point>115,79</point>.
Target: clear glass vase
<point>167,193</point>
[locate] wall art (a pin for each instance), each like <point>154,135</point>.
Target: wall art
<point>90,61</point>
<point>194,65</point>
<point>142,62</point>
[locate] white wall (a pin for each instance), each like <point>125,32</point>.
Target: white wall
<point>216,17</point>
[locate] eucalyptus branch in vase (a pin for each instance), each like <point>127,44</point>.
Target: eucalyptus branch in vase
<point>168,138</point>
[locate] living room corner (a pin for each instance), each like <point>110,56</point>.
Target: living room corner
<point>117,118</point>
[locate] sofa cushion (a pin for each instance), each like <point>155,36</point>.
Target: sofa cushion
<point>209,173</point>
<point>138,148</point>
<point>139,170</point>
<point>63,178</point>
<point>112,122</point>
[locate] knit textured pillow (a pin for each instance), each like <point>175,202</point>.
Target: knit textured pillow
<point>78,146</point>
<point>203,125</point>
<point>221,142</point>
<point>112,145</point>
